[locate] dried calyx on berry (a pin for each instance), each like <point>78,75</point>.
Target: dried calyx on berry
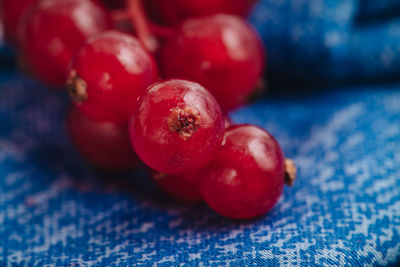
<point>290,172</point>
<point>76,87</point>
<point>184,121</point>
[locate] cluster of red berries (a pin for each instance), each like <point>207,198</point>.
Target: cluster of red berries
<point>112,59</point>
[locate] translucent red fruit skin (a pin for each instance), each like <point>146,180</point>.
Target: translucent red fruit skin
<point>11,12</point>
<point>183,187</point>
<point>246,176</point>
<point>104,144</point>
<point>177,126</point>
<point>53,30</point>
<point>220,52</point>
<point>175,11</point>
<point>108,74</point>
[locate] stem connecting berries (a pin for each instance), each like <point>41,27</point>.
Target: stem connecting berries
<point>176,11</point>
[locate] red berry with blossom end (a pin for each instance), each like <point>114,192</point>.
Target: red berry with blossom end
<point>182,187</point>
<point>108,74</point>
<point>11,12</point>
<point>220,52</point>
<point>53,30</point>
<point>177,126</point>
<point>105,145</point>
<point>175,11</point>
<point>246,177</point>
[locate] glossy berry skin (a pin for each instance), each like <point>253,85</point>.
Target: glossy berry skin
<point>108,74</point>
<point>53,31</point>
<point>183,187</point>
<point>177,126</point>
<point>247,174</point>
<point>11,12</point>
<point>176,11</point>
<point>105,145</point>
<point>220,52</point>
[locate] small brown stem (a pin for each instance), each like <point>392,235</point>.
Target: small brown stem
<point>156,29</point>
<point>290,172</point>
<point>140,22</point>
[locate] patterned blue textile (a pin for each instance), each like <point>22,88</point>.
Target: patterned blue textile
<point>344,209</point>
<point>324,41</point>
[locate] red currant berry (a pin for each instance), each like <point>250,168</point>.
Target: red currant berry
<point>246,176</point>
<point>175,11</point>
<point>104,144</point>
<point>52,32</point>
<point>11,12</point>
<point>108,74</point>
<point>177,126</point>
<point>220,52</point>
<point>181,187</point>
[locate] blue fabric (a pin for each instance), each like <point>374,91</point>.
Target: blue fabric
<point>325,41</point>
<point>344,209</point>
<point>373,7</point>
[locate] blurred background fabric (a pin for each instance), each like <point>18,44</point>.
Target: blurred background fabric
<point>379,8</point>
<point>344,209</point>
<point>331,41</point>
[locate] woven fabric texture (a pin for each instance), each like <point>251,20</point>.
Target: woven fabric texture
<point>344,209</point>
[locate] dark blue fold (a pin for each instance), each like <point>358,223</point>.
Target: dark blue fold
<point>312,41</point>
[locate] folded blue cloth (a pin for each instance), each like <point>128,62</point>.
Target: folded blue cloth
<point>325,41</point>
<point>370,8</point>
<point>344,209</point>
